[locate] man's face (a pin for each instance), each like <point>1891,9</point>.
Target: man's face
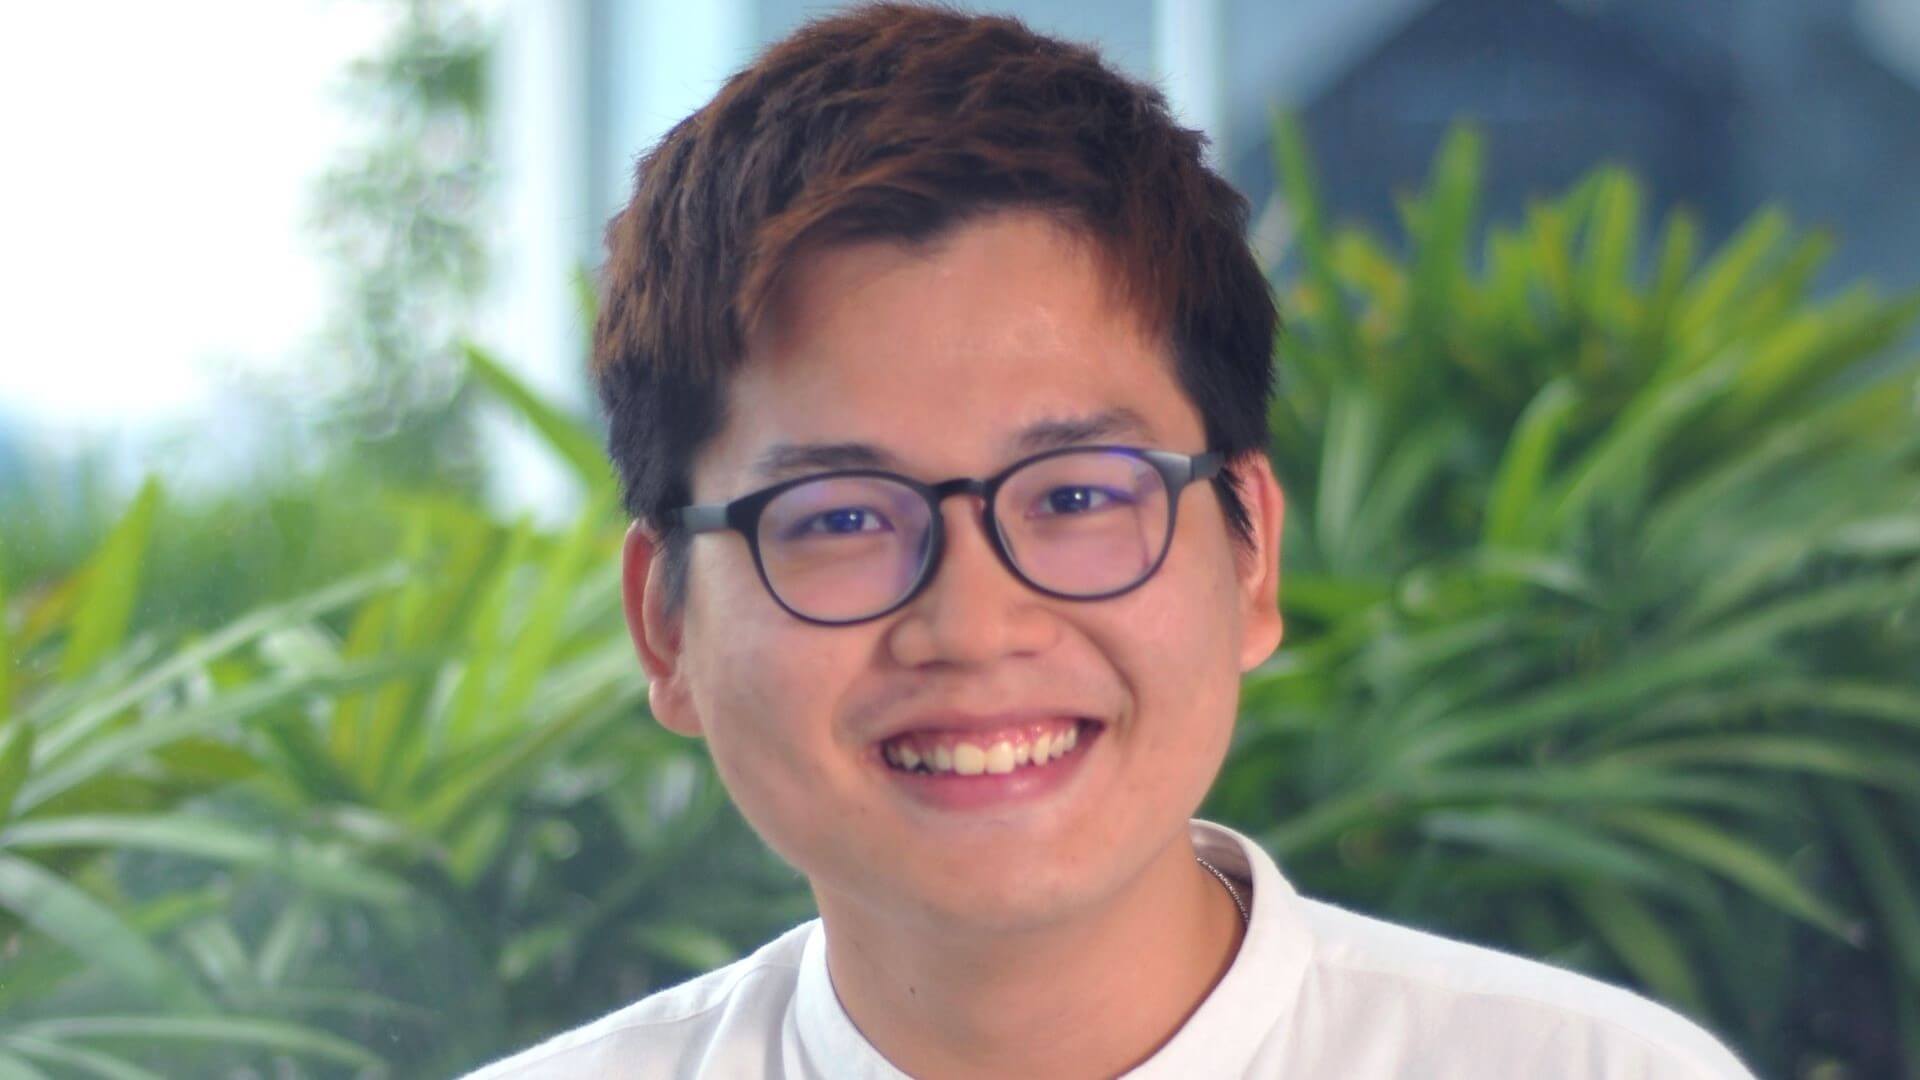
<point>940,358</point>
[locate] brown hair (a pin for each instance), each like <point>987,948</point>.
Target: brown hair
<point>901,121</point>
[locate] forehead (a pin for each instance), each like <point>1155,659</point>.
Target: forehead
<point>780,460</point>
<point>945,353</point>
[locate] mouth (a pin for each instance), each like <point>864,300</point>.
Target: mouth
<point>1025,748</point>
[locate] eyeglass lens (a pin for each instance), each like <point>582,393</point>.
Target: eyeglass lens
<point>1079,524</point>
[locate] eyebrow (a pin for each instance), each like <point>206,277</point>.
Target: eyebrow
<point>782,460</point>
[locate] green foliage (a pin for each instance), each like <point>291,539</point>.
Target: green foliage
<point>1603,593</point>
<point>108,741</point>
<point>287,528</point>
<point>433,779</point>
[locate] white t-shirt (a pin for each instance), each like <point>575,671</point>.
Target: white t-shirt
<point>1314,991</point>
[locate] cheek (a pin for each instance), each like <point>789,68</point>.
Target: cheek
<point>1180,649</point>
<point>749,675</point>
<point>768,689</point>
<point>741,656</point>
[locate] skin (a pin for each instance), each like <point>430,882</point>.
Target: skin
<point>1070,936</point>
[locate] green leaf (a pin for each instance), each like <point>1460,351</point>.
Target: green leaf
<point>1733,858</point>
<point>1826,755</point>
<point>1446,218</point>
<point>1678,242</point>
<point>1567,700</point>
<point>1714,292</point>
<point>1294,167</point>
<point>539,634</point>
<point>526,951</point>
<point>1613,232</point>
<point>41,965</point>
<point>1653,953</point>
<point>1770,464</point>
<point>499,773</point>
<point>292,929</point>
<point>199,836</point>
<point>16,757</point>
<point>92,1062</point>
<point>1331,597</point>
<point>1805,610</point>
<point>568,438</point>
<point>227,1031</point>
<point>1520,479</point>
<point>112,582</point>
<point>1603,782</point>
<point>1738,647</point>
<point>1615,470</point>
<point>1878,538</point>
<point>17,1068</point>
<point>1541,840</point>
<point>207,762</point>
<point>248,702</point>
<point>302,763</point>
<point>475,840</point>
<point>480,667</point>
<point>392,732</point>
<point>368,635</point>
<point>693,948</point>
<point>1889,879</point>
<point>1797,361</point>
<point>1549,233</point>
<point>1829,700</point>
<point>356,1003</point>
<point>8,658</point>
<point>1371,270</point>
<point>1402,482</point>
<point>89,928</point>
<point>220,956</point>
<point>1346,465</point>
<point>65,724</point>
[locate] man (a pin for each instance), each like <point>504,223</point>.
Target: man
<point>938,369</point>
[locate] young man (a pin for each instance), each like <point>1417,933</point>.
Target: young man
<point>938,371</point>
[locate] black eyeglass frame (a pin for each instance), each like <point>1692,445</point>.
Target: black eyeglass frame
<point>742,515</point>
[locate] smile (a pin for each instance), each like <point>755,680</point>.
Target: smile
<point>995,752</point>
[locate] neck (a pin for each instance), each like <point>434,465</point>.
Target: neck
<point>1092,995</point>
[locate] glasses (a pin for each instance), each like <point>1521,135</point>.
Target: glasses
<point>1080,523</point>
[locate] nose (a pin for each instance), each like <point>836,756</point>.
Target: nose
<point>973,611</point>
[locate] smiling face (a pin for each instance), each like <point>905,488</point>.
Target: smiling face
<point>947,360</point>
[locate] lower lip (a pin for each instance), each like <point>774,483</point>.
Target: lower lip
<point>1027,783</point>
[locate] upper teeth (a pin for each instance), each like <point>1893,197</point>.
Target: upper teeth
<point>971,759</point>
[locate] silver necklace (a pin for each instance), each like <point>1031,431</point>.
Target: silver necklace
<point>1245,916</point>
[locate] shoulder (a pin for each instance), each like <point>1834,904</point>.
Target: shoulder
<point>653,1036</point>
<point>1465,999</point>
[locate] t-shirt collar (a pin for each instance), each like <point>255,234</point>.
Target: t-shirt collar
<point>1257,994</point>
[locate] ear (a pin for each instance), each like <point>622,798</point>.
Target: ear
<point>1258,569</point>
<point>656,631</point>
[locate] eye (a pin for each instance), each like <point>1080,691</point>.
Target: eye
<point>841,521</point>
<point>1078,499</point>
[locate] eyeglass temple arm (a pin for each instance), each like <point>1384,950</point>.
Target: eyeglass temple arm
<point>1206,466</point>
<point>706,517</point>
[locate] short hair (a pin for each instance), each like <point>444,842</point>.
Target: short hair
<point>900,122</point>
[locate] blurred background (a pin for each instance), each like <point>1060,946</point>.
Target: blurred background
<point>322,751</point>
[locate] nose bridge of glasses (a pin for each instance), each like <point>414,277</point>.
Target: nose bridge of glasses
<point>959,485</point>
<point>973,527</point>
<point>938,494</point>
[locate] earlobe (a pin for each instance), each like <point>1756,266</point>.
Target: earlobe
<point>656,630</point>
<point>1261,624</point>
